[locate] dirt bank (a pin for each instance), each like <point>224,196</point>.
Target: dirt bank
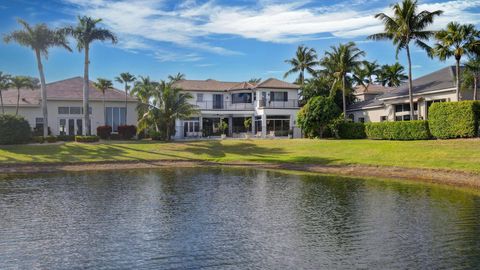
<point>448,177</point>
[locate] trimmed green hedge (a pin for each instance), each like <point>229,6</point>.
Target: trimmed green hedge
<point>14,129</point>
<point>400,130</point>
<point>351,130</point>
<point>87,139</point>
<point>454,119</point>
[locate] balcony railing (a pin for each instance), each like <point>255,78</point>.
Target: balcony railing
<point>226,105</point>
<point>291,103</point>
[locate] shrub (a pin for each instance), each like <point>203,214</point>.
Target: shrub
<point>454,119</point>
<point>104,132</point>
<point>66,138</point>
<point>127,132</point>
<point>317,114</point>
<point>401,130</point>
<point>51,139</point>
<point>38,139</point>
<point>87,139</point>
<point>157,136</point>
<point>351,130</point>
<point>14,130</point>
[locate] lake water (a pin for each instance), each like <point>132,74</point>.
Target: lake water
<point>233,219</point>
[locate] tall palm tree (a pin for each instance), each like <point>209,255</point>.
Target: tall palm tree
<point>363,74</point>
<point>39,38</point>
<point>20,82</point>
<point>255,80</point>
<point>5,84</point>
<point>343,59</point>
<point>472,75</point>
<point>404,27</point>
<point>455,40</point>
<point>177,77</point>
<point>103,85</point>
<point>305,60</point>
<point>392,75</point>
<point>86,32</point>
<point>126,78</point>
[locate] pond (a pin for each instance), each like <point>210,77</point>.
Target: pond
<point>222,218</point>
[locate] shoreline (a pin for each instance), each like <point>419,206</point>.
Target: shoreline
<point>438,176</point>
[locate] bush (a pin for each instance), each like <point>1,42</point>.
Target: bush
<point>157,136</point>
<point>66,138</point>
<point>351,130</point>
<point>14,130</point>
<point>454,119</point>
<point>401,130</point>
<point>104,132</point>
<point>87,139</point>
<point>38,139</point>
<point>51,139</point>
<point>127,132</point>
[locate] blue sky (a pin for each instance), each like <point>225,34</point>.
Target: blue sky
<point>223,40</point>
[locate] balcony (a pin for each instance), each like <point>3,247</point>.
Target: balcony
<point>225,106</point>
<point>291,103</point>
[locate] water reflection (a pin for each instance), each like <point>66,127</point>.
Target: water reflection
<point>233,218</point>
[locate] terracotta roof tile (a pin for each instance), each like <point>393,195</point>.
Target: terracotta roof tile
<point>275,83</point>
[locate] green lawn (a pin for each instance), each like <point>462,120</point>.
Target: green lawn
<point>449,154</point>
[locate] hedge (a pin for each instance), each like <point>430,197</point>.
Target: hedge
<point>104,132</point>
<point>87,139</point>
<point>66,138</point>
<point>400,130</point>
<point>351,130</point>
<point>14,130</point>
<point>127,132</point>
<point>454,119</point>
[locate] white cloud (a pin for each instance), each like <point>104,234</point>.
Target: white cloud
<point>194,26</point>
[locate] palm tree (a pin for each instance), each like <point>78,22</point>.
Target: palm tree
<point>305,59</point>
<point>86,32</point>
<point>455,40</point>
<point>143,89</point>
<point>392,75</point>
<point>406,26</point>
<point>39,38</point>
<point>363,74</point>
<point>343,60</point>
<point>177,77</point>
<point>472,75</point>
<point>5,84</point>
<point>20,82</point>
<point>255,80</point>
<point>126,78</point>
<point>103,85</point>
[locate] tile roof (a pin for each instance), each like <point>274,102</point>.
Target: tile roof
<point>214,85</point>
<point>372,89</point>
<point>439,80</point>
<point>68,89</point>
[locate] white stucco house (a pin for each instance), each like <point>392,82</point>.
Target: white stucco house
<point>272,105</point>
<point>393,105</point>
<point>64,99</point>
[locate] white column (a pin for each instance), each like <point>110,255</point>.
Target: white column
<point>253,124</point>
<point>200,125</point>
<point>264,126</point>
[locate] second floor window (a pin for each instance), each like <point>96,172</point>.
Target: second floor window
<point>242,98</point>
<point>278,96</point>
<point>199,97</point>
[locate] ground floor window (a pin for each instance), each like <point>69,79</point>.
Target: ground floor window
<point>238,125</point>
<point>210,126</point>
<point>361,119</point>
<point>115,117</point>
<point>383,118</point>
<point>70,126</point>
<point>191,127</point>
<point>279,125</point>
<point>258,124</point>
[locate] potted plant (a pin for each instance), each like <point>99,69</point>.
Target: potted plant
<point>222,126</point>
<point>247,124</point>
<point>290,133</point>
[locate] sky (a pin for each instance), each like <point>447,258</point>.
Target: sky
<point>216,39</point>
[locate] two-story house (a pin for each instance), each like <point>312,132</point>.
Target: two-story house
<point>272,105</point>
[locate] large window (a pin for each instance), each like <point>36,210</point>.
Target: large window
<point>72,110</point>
<point>279,124</point>
<point>115,117</point>
<point>242,98</point>
<point>402,112</point>
<point>278,96</point>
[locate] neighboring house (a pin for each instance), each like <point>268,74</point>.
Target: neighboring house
<point>65,112</point>
<point>393,105</point>
<point>373,91</point>
<point>272,105</point>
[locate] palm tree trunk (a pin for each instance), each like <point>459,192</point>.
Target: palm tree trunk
<point>1,102</point>
<point>410,86</point>
<point>43,90</point>
<point>344,98</point>
<point>475,87</point>
<point>126,95</point>
<point>86,116</point>
<point>18,100</point>
<point>104,111</point>
<point>457,71</point>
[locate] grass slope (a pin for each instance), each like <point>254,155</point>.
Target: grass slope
<point>463,155</point>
